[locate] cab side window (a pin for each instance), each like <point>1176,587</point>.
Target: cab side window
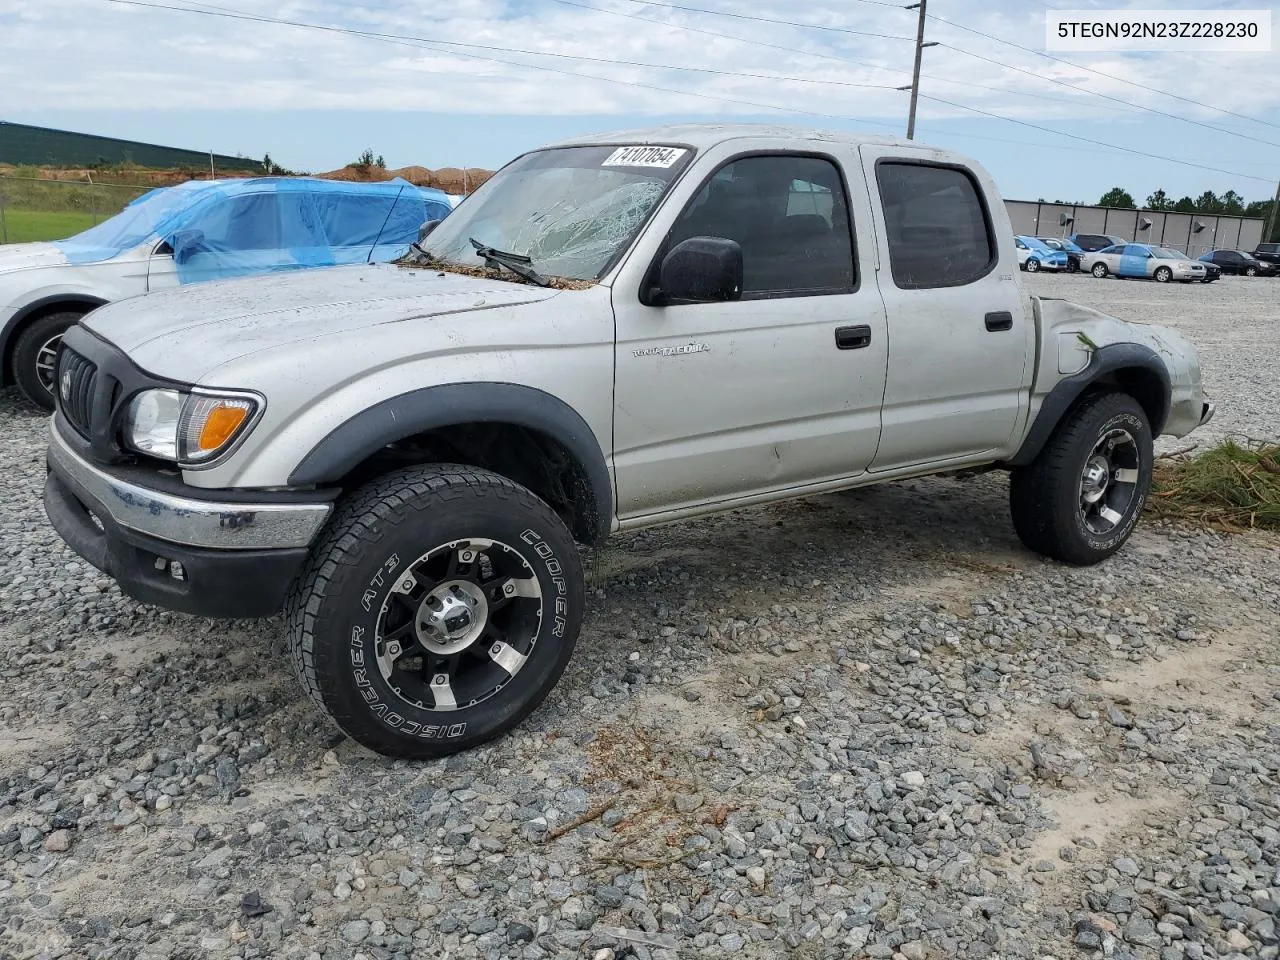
<point>790,216</point>
<point>243,223</point>
<point>937,225</point>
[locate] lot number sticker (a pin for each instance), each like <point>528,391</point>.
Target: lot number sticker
<point>662,157</point>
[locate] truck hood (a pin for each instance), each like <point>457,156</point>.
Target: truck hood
<point>185,333</point>
<point>26,256</point>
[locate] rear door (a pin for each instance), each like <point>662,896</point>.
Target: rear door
<point>960,334</point>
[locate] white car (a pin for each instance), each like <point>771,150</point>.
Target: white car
<point>202,230</point>
<point>1143,261</point>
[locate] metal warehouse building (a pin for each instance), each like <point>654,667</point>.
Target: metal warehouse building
<point>21,144</point>
<point>1192,233</point>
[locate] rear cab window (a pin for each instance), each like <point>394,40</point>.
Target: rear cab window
<point>937,224</point>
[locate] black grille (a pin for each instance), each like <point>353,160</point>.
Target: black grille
<point>77,380</point>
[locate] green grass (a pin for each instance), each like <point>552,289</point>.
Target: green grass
<point>1231,485</point>
<point>24,226</point>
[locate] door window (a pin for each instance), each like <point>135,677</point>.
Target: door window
<point>789,214</point>
<point>242,223</point>
<point>937,225</point>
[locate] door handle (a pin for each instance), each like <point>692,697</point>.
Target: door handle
<point>853,338</point>
<point>1000,320</point>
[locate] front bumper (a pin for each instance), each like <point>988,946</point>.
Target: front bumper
<point>202,557</point>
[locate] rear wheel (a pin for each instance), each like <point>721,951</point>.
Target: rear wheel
<point>1099,270</point>
<point>438,612</point>
<point>1163,274</point>
<point>1079,500</point>
<point>35,354</point>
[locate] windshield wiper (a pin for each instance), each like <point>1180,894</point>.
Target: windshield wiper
<point>517,264</point>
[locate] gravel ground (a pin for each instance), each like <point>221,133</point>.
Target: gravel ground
<point>862,725</point>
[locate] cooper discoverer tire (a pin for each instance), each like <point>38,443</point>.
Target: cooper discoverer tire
<point>438,610</point>
<point>1079,499</point>
<point>33,356</point>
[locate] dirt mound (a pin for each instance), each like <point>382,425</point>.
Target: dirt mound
<point>448,179</point>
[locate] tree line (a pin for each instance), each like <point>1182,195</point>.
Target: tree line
<point>1230,204</point>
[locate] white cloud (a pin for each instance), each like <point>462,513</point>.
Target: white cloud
<point>100,55</point>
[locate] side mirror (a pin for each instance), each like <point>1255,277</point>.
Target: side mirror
<point>426,228</point>
<point>185,243</point>
<point>700,270</point>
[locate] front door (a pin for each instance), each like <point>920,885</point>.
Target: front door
<point>782,388</point>
<point>961,333</point>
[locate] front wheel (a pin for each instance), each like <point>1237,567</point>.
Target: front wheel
<point>1163,274</point>
<point>1033,265</point>
<point>438,612</point>
<point>1250,271</point>
<point>1079,499</point>
<point>35,355</point>
<point>1099,270</point>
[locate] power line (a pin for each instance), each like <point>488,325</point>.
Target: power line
<point>1105,96</point>
<point>842,60</point>
<point>1109,76</point>
<point>419,42</point>
<point>977,56</point>
<point>212,10</point>
<point>781,23</point>
<point>424,43</point>
<point>1101,143</point>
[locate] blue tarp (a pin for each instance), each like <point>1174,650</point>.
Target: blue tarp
<point>234,228</point>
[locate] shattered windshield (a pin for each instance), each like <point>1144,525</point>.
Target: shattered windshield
<point>571,211</point>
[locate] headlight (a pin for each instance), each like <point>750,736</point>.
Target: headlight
<point>186,427</point>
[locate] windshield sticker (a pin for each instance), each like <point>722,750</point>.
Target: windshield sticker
<point>661,157</point>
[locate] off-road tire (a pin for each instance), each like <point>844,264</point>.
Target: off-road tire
<point>1045,496</point>
<point>1099,270</point>
<point>26,352</point>
<point>1163,275</point>
<point>373,541</point>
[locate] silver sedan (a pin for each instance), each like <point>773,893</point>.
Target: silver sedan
<point>1142,261</point>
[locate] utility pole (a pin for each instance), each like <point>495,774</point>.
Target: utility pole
<point>1271,217</point>
<point>915,73</point>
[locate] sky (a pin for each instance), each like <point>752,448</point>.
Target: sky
<point>474,82</point>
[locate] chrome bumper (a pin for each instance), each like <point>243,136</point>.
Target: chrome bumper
<point>186,521</point>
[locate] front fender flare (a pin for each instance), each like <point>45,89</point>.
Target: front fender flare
<point>1104,360</point>
<point>20,316</point>
<point>429,408</point>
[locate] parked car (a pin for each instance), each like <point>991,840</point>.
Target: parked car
<point>1073,252</point>
<point>1143,261</point>
<point>196,231</point>
<point>611,333</point>
<point>1034,254</point>
<point>1239,263</point>
<point>1268,252</point>
<point>1093,242</point>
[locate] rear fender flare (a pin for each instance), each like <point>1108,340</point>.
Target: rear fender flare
<point>1104,361</point>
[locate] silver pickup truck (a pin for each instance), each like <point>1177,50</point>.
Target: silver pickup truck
<point>613,332</point>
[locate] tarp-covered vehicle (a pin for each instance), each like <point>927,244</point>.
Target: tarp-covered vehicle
<point>197,231</point>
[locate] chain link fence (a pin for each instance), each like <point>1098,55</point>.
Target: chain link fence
<point>34,208</point>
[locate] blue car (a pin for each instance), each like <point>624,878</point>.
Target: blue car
<point>1034,254</point>
<point>197,231</point>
